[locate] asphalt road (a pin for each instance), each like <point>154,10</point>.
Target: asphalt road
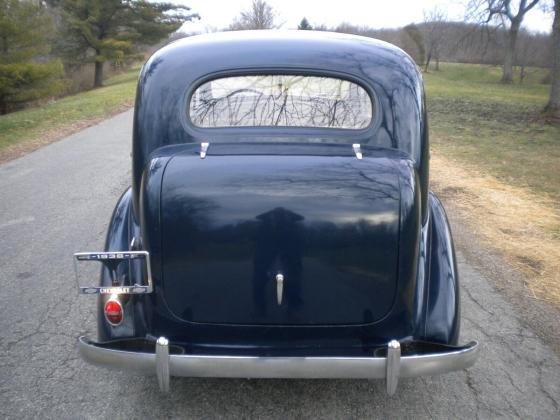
<point>59,199</point>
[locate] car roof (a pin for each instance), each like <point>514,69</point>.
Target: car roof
<point>283,48</point>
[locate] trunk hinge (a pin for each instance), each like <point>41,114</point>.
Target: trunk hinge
<point>203,149</point>
<point>357,150</point>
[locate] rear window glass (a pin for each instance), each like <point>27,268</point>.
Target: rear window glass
<point>282,101</point>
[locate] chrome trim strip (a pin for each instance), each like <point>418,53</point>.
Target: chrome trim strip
<point>279,288</point>
<point>162,363</point>
<point>280,367</point>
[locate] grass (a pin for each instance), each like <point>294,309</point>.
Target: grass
<point>497,165</point>
<point>29,126</point>
<point>495,127</point>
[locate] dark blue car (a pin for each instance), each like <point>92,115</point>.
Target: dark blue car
<point>279,223</point>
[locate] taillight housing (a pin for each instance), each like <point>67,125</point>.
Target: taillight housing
<point>113,312</point>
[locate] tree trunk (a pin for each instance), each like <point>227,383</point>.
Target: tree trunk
<point>553,107</point>
<point>98,75</point>
<point>428,58</point>
<point>511,40</point>
<point>522,74</point>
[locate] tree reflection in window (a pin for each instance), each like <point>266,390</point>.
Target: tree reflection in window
<point>281,100</point>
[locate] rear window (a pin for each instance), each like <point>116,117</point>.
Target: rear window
<point>281,101</point>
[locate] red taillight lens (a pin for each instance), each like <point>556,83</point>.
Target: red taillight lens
<point>113,312</point>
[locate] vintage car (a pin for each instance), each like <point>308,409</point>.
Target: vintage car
<point>279,222</point>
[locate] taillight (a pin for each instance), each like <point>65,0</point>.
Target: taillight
<point>113,312</point>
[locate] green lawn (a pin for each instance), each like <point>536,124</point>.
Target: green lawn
<point>28,124</point>
<point>495,127</point>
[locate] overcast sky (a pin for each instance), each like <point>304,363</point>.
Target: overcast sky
<point>374,13</point>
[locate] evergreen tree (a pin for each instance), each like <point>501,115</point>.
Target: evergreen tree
<point>101,30</point>
<point>304,25</point>
<point>26,73</point>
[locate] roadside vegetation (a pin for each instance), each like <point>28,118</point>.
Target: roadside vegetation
<point>48,46</point>
<point>496,162</point>
<point>25,130</point>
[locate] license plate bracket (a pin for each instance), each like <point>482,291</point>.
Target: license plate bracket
<point>111,261</point>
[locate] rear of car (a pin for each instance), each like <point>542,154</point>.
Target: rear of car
<point>279,222</point>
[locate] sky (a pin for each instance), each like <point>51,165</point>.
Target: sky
<point>218,14</point>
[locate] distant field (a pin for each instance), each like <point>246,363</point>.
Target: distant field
<point>29,128</point>
<point>495,127</point>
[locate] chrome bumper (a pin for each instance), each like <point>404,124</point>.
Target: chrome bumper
<point>391,367</point>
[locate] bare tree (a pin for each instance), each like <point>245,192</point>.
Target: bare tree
<point>260,16</point>
<point>433,31</point>
<point>462,42</point>
<point>553,106</point>
<point>527,54</point>
<point>502,12</point>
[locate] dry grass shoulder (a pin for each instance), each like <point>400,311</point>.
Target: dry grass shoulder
<point>498,165</point>
<point>522,225</point>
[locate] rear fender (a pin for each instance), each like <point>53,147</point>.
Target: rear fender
<point>122,228</point>
<point>442,300</point>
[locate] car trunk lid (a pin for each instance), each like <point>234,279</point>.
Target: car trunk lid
<point>267,239</point>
